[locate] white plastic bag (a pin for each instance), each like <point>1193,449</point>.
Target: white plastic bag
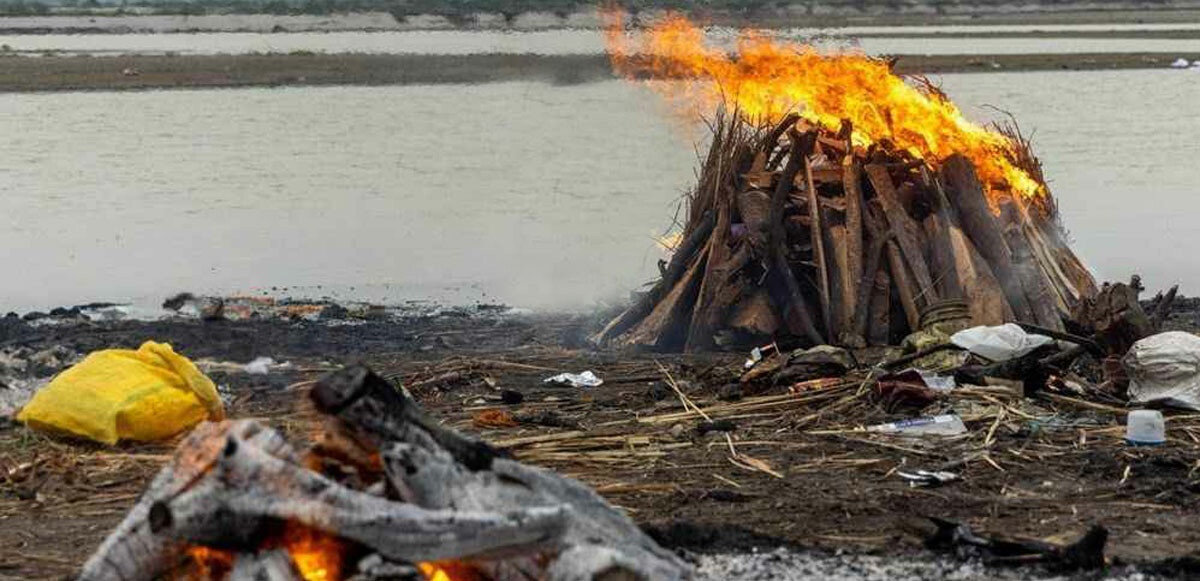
<point>1001,343</point>
<point>585,379</point>
<point>1165,369</point>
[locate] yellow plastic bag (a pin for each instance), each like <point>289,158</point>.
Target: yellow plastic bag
<point>118,394</point>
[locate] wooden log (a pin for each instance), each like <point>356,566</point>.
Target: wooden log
<point>938,229</point>
<point>897,273</point>
<point>1051,236</point>
<point>965,192</point>
<point>676,268</point>
<point>717,293</point>
<point>865,287</point>
<point>819,254</point>
<point>1062,289</point>
<point>1115,318</point>
<point>853,276</point>
<point>275,565</point>
<point>796,311</point>
<point>246,488</point>
<point>435,467</point>
<point>905,229</point>
<point>772,140</point>
<point>985,297</point>
<point>837,263</point>
<point>132,551</point>
<point>755,208</point>
<point>905,288</point>
<point>942,264</point>
<point>755,314</point>
<point>879,329</point>
<point>652,330</point>
<point>1046,304</point>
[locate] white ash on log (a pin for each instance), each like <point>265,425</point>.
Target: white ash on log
<point>795,235</point>
<point>439,469</point>
<point>421,493</point>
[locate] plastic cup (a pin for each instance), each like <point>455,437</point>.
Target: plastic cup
<point>1145,428</point>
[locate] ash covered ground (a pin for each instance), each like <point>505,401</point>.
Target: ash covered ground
<point>836,509</point>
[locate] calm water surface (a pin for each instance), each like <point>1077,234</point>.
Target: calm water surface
<point>551,42</point>
<point>527,193</point>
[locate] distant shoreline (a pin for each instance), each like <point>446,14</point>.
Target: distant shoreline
<point>827,14</point>
<point>126,73</point>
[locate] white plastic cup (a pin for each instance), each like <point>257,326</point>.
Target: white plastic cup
<point>1145,428</point>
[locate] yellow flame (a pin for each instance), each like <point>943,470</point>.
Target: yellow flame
<point>766,80</point>
<point>317,556</point>
<point>448,571</point>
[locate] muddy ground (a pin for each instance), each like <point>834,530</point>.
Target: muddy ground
<point>784,471</point>
<point>143,72</point>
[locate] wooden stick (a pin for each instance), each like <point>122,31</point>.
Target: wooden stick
<point>1033,275</point>
<point>902,225</point>
<point>879,330</point>
<point>678,265</point>
<point>874,257</point>
<point>800,321</point>
<point>854,275</point>
<point>818,238</point>
<point>980,225</point>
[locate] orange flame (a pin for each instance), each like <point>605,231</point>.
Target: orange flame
<point>318,556</point>
<point>210,563</point>
<point>766,80</point>
<point>448,571</point>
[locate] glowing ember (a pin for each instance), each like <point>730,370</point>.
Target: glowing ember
<point>317,556</point>
<point>448,571</point>
<point>766,80</point>
<point>210,563</point>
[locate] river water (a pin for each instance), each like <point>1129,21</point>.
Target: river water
<point>575,42</point>
<point>527,193</point>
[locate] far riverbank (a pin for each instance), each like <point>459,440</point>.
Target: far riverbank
<point>143,72</point>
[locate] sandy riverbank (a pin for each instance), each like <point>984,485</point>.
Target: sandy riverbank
<point>81,73</point>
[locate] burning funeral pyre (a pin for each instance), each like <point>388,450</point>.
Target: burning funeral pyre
<point>385,493</point>
<point>840,203</point>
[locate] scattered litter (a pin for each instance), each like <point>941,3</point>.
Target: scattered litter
<point>585,379</point>
<point>943,425</point>
<point>1165,369</point>
<point>906,388</point>
<point>1180,63</point>
<point>118,394</point>
<point>1000,343</point>
<point>260,366</point>
<point>927,478</point>
<point>930,379</point>
<point>756,355</point>
<point>1145,428</point>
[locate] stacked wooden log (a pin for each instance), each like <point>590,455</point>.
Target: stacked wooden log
<point>793,233</point>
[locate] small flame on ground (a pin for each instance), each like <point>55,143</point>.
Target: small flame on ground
<point>766,80</point>
<point>449,571</point>
<point>318,556</point>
